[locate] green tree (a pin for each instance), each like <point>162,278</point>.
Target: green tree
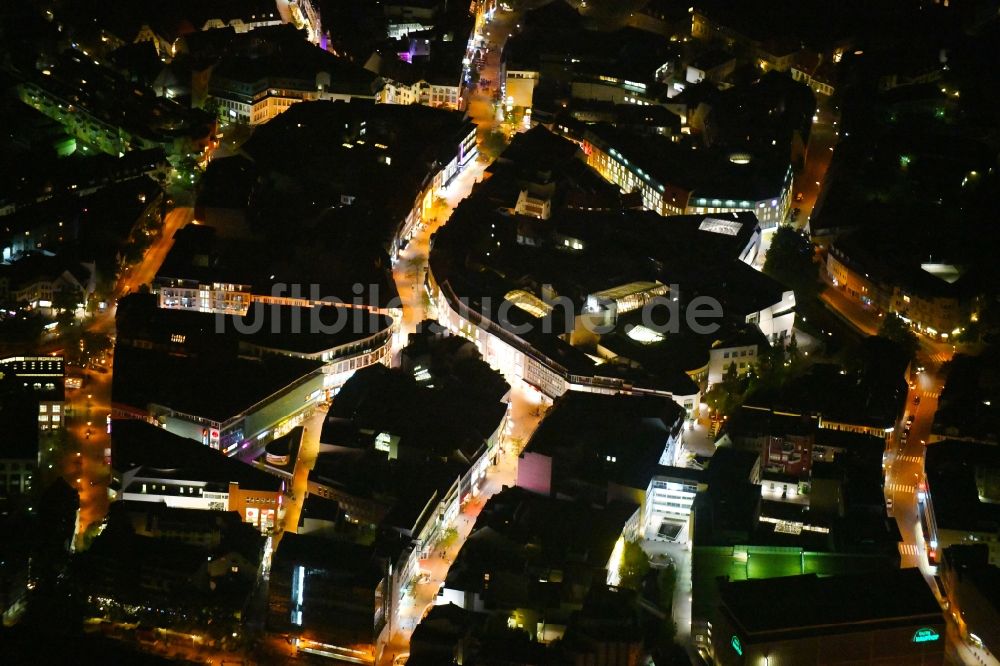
<point>634,565</point>
<point>492,145</point>
<point>790,261</point>
<point>726,396</point>
<point>894,328</point>
<point>64,303</point>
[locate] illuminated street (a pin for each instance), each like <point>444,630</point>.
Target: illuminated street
<point>708,375</point>
<point>822,142</point>
<point>297,489</point>
<point>527,410</point>
<point>90,405</point>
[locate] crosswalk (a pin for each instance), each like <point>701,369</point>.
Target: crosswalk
<point>908,549</point>
<point>910,459</point>
<point>900,487</point>
<point>941,357</point>
<point>929,394</point>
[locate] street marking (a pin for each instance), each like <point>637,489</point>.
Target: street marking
<point>908,549</point>
<point>900,488</point>
<point>911,459</point>
<point>930,394</point>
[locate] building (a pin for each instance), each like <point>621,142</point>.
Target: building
<point>775,44</point>
<point>344,339</point>
<point>623,66</point>
<point>603,448</point>
<point>535,588</point>
<point>867,400</point>
<point>742,348</point>
<point>19,449</point>
<point>429,72</point>
<point>392,456</point>
<point>32,411</point>
<point>716,66</point>
<point>587,326</point>
<point>749,524</point>
<point>332,596</point>
<point>88,228</point>
<point>286,359</point>
<point>383,161</point>
<point>972,586</point>
<point>816,72</point>
<point>166,27</point>
<point>677,180</point>
<point>40,280</point>
<point>253,85</point>
<point>230,404</point>
<point>164,566</point>
<point>891,617</point>
<point>153,465</point>
<point>103,109</point>
<point>767,52</point>
<point>969,405</point>
<point>933,298</point>
<point>959,504</point>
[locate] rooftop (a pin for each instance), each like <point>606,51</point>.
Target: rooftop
<point>217,388</point>
<point>517,531</point>
<point>339,254</point>
<point>707,173</point>
<point>154,452</point>
<point>597,438</point>
<point>378,399</point>
<point>331,556</point>
<point>963,480</point>
<point>19,424</point>
<point>969,406</point>
<point>274,328</point>
<point>850,603</point>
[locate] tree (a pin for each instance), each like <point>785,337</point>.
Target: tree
<point>792,350</point>
<point>894,328</point>
<point>492,145</point>
<point>726,396</point>
<point>634,565</point>
<point>790,260</point>
<point>65,302</point>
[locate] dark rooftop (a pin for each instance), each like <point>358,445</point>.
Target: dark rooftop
<point>274,328</point>
<point>216,388</point>
<point>705,172</point>
<point>849,603</point>
<point>963,480</point>
<point>969,406</point>
<point>583,430</point>
<point>137,444</point>
<point>331,556</point>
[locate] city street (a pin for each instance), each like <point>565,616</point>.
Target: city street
<point>527,405</point>
<point>411,267</point>
<point>85,463</point>
<point>822,141</point>
<point>144,272</point>
<point>848,309</point>
<point>297,489</point>
<point>409,271</point>
<point>527,410</point>
<point>905,467</point>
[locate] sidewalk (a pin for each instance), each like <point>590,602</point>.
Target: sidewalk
<point>526,412</point>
